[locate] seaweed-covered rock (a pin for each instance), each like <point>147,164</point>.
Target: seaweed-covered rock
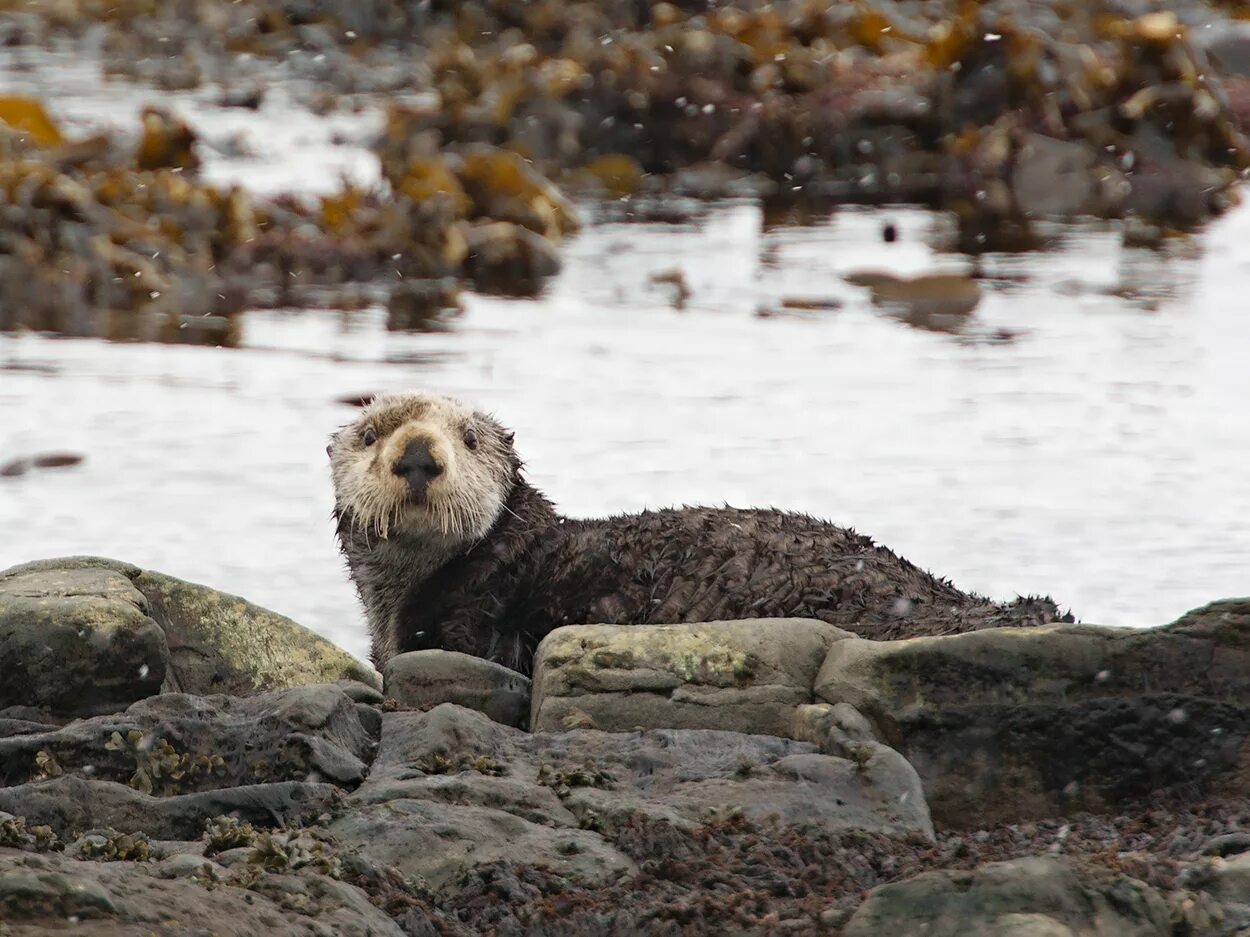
<point>43,894</point>
<point>70,804</point>
<point>175,743</point>
<point>102,238</point>
<point>452,777</point>
<point>509,259</point>
<point>743,676</point>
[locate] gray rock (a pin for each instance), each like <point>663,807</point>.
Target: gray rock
<point>1227,844</point>
<point>71,805</point>
<point>176,743</point>
<point>439,843</point>
<point>88,635</point>
<point>1033,897</point>
<point>188,865</point>
<point>424,679</point>
<point>28,885</point>
<point>432,807</point>
<point>534,799</point>
<point>742,676</point>
<point>1005,724</point>
<point>843,732</point>
<point>77,641</point>
<point>1229,879</point>
<point>41,894</point>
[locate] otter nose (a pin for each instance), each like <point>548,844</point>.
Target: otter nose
<point>417,466</point>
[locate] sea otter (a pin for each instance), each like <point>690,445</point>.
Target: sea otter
<point>451,548</point>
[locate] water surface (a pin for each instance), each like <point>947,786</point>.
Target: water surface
<point>1083,433</point>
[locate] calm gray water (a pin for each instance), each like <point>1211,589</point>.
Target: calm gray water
<point>1084,435</point>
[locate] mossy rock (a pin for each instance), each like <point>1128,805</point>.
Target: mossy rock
<point>88,635</point>
<point>220,643</point>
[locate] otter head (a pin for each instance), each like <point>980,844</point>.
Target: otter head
<point>421,465</point>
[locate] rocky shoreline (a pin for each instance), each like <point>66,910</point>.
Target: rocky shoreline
<point>172,756</point>
<point>500,113</point>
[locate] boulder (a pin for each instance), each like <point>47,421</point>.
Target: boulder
<point>220,643</point>
<point>1032,897</point>
<point>77,640</point>
<point>424,679</point>
<point>175,743</point>
<point>740,676</point>
<point>1004,724</point>
<point>87,635</point>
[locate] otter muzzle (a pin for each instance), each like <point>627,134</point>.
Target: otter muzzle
<point>418,467</point>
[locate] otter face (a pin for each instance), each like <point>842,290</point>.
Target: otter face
<point>421,464</point>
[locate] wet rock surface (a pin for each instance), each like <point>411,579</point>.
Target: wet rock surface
<point>743,779</point>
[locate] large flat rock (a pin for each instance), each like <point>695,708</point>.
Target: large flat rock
<point>1010,723</point>
<point>742,676</point>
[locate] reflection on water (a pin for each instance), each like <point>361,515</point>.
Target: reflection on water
<point>1090,444</point>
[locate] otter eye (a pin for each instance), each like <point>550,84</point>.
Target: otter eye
<point>369,437</point>
<point>470,438</point>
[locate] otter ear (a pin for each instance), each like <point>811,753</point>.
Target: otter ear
<point>508,436</point>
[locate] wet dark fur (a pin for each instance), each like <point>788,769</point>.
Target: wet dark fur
<point>536,570</point>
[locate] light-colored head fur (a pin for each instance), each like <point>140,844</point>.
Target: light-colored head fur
<point>460,504</point>
<point>393,539</point>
